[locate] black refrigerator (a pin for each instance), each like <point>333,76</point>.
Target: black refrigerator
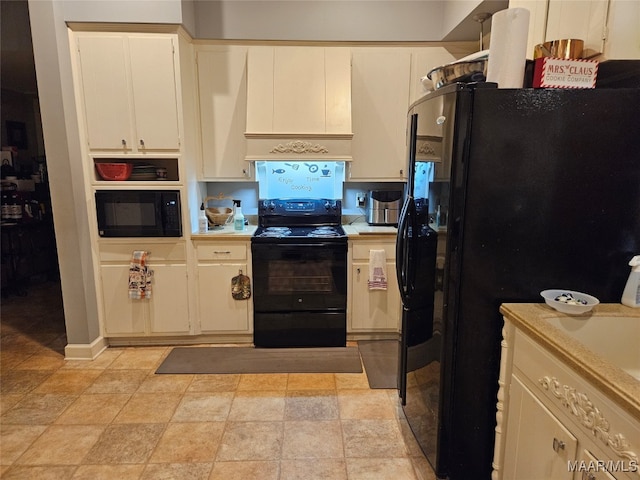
<point>534,189</point>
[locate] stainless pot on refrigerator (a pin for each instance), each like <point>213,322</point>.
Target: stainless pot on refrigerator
<point>384,207</point>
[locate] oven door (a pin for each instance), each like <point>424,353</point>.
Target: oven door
<point>302,276</point>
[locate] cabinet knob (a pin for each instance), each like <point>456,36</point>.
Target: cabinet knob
<point>358,270</point>
<point>558,445</point>
<point>141,142</point>
<point>124,142</point>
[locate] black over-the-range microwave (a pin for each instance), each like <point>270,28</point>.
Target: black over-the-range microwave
<point>139,213</point>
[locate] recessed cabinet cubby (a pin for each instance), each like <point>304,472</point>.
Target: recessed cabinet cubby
<point>144,169</point>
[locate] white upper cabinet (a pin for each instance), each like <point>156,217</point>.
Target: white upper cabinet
<point>299,90</point>
<point>222,92</point>
<point>298,103</point>
<point>380,95</point>
<point>128,86</point>
<point>558,19</point>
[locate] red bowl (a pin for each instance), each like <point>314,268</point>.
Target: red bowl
<point>114,171</point>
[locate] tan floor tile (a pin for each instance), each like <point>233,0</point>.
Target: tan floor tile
<point>313,469</point>
<point>68,381</point>
<point>36,409</point>
<point>61,445</point>
<point>50,361</point>
<point>142,358</point>
<point>23,381</point>
<point>263,381</point>
<point>372,439</point>
<point>203,407</point>
<point>311,381</point>
<point>124,443</point>
<point>94,409</point>
<point>311,405</point>
<point>351,381</point>
<point>188,443</point>
<point>214,383</point>
<point>38,473</point>
<point>251,441</point>
<point>306,439</point>
<point>166,383</point>
<point>174,471</point>
<point>138,409</point>
<point>9,361</point>
<point>380,469</point>
<point>118,381</point>
<point>258,406</point>
<point>245,471</point>
<point>422,468</point>
<point>7,401</point>
<point>108,472</point>
<point>365,404</point>
<point>15,439</point>
<point>103,361</point>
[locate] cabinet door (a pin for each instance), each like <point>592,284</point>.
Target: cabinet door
<point>108,112</point>
<point>222,85</point>
<point>374,309</point>
<point>299,90</point>
<point>299,73</point>
<point>218,311</point>
<point>122,316</point>
<point>380,98</point>
<point>169,305</point>
<point>538,445</point>
<point>154,93</point>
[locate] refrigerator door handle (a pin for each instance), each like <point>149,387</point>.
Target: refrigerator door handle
<point>401,251</point>
<point>405,264</point>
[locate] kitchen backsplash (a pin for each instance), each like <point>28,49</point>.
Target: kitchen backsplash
<point>248,193</point>
<point>300,179</point>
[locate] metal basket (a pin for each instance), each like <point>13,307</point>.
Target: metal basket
<point>218,215</point>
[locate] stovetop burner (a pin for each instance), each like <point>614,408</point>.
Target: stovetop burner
<point>297,219</point>
<point>324,231</point>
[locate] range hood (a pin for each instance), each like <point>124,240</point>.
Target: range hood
<point>298,103</point>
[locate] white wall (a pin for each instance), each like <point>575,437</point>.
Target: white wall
<point>349,20</point>
<point>62,142</point>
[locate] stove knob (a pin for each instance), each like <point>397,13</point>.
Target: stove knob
<point>272,206</point>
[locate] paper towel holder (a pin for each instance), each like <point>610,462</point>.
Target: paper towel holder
<point>481,18</point>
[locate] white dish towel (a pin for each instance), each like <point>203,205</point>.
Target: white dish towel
<point>139,276</point>
<point>377,270</point>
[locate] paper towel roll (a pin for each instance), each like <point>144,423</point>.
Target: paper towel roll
<point>508,47</point>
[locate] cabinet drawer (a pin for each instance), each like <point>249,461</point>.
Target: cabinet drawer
<point>222,251</point>
<point>157,251</point>
<point>361,251</point>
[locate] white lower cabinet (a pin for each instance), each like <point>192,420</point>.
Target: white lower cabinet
<point>373,310</point>
<point>166,312</point>
<point>218,263</point>
<point>533,428</point>
<point>552,423</point>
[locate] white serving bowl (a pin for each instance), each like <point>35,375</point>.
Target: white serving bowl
<point>587,302</point>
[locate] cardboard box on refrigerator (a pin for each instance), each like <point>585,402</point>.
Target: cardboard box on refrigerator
<point>552,72</point>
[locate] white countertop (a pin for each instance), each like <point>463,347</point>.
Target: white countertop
<point>226,232</point>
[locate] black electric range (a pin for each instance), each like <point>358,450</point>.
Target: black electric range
<point>299,259</point>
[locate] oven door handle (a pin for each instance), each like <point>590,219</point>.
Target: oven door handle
<point>305,245</point>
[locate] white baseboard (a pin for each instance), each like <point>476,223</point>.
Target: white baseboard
<point>84,351</point>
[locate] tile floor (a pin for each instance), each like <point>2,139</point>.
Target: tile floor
<point>114,418</point>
